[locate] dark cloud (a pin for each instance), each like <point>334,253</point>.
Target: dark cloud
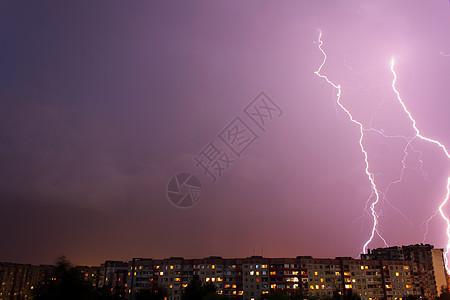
<point>101,104</point>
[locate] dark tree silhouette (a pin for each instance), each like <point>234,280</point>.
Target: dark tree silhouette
<point>156,293</point>
<point>279,295</point>
<point>445,293</point>
<point>275,296</point>
<point>196,291</point>
<point>350,295</point>
<point>68,285</point>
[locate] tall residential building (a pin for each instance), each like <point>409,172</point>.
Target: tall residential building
<point>19,280</point>
<point>432,260</point>
<point>15,281</point>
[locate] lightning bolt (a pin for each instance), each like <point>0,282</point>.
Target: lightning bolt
<point>420,136</point>
<point>375,193</point>
<point>374,190</point>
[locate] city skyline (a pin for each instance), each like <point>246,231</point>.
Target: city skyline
<point>384,273</point>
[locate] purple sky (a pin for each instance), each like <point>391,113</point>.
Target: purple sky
<point>101,104</point>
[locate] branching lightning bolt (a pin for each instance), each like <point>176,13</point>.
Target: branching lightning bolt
<point>374,190</point>
<point>418,135</point>
<point>375,193</point>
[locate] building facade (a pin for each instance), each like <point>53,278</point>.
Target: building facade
<point>113,276</point>
<point>432,260</point>
<point>19,280</point>
<point>252,277</point>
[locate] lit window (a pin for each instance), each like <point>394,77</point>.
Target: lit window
<point>316,273</point>
<point>408,286</point>
<point>311,287</point>
<point>348,286</point>
<point>213,267</point>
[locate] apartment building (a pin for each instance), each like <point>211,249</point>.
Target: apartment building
<point>250,278</point>
<point>430,258</point>
<point>113,276</point>
<point>19,280</point>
